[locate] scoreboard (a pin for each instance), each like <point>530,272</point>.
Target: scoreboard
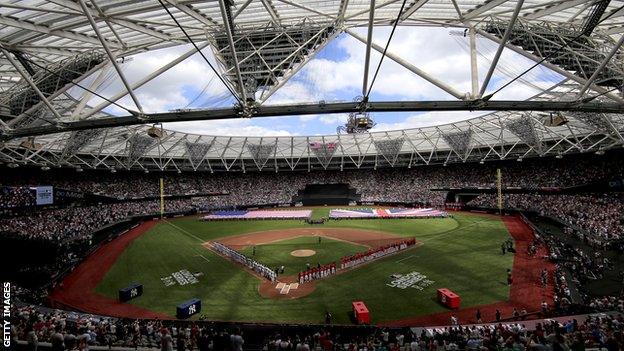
<point>44,195</point>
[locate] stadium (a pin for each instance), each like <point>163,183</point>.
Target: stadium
<point>402,175</point>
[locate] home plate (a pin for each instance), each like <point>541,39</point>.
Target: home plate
<point>285,288</point>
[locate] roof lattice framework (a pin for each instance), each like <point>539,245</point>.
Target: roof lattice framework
<point>48,46</point>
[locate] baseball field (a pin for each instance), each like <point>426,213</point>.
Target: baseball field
<point>174,263</point>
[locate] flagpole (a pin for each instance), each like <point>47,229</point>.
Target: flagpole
<point>499,190</point>
<point>162,198</point>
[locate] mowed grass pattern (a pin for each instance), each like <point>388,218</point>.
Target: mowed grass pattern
<point>278,253</point>
<point>460,253</point>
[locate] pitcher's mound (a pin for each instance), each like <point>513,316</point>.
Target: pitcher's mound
<point>303,253</point>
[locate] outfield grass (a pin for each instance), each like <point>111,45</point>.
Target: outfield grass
<point>320,212</point>
<point>278,253</point>
<point>460,253</point>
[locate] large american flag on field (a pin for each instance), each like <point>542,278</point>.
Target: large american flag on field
<point>260,214</point>
<point>386,213</point>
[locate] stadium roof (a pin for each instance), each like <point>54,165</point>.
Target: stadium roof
<point>52,46</point>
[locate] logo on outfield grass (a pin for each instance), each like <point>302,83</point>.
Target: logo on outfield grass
<point>181,277</point>
<point>414,280</point>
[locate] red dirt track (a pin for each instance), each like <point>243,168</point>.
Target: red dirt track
<point>526,291</point>
<point>78,288</point>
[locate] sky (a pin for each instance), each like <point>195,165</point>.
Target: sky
<point>334,74</point>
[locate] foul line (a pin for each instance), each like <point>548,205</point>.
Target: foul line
<point>185,231</point>
<point>202,256</point>
<point>450,231</point>
<point>405,258</point>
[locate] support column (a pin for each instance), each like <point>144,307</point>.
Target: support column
<point>474,73</point>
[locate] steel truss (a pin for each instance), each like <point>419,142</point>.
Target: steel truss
<point>494,136</point>
<point>266,59</point>
<point>566,47</point>
<point>261,44</point>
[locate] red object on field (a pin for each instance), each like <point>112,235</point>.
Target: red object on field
<point>448,298</point>
<point>362,316</point>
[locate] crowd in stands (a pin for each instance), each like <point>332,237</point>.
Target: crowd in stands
<point>71,331</point>
<point>384,184</point>
<point>607,303</point>
<point>597,216</point>
<point>578,263</point>
<point>13,197</point>
<point>77,223</point>
<point>75,331</point>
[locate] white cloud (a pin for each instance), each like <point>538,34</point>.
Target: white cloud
<point>426,119</point>
<point>234,127</point>
<point>335,76</point>
<point>173,89</point>
<point>334,119</point>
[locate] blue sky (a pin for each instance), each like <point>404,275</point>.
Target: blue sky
<point>334,74</point>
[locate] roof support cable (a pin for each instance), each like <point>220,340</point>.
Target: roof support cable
<point>592,98</point>
<point>132,112</point>
<point>488,97</point>
<point>188,37</point>
<point>383,55</point>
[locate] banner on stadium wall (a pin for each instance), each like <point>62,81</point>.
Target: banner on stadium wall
<point>45,195</point>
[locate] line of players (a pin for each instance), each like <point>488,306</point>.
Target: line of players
<point>244,260</point>
<point>373,254</point>
<point>321,271</point>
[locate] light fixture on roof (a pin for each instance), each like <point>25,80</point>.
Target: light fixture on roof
<point>358,122</point>
<point>559,156</point>
<point>13,165</point>
<point>113,170</point>
<point>30,144</point>
<point>481,162</point>
<point>600,152</point>
<point>45,168</point>
<point>156,131</point>
<point>519,159</point>
<point>79,169</point>
<point>555,119</point>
